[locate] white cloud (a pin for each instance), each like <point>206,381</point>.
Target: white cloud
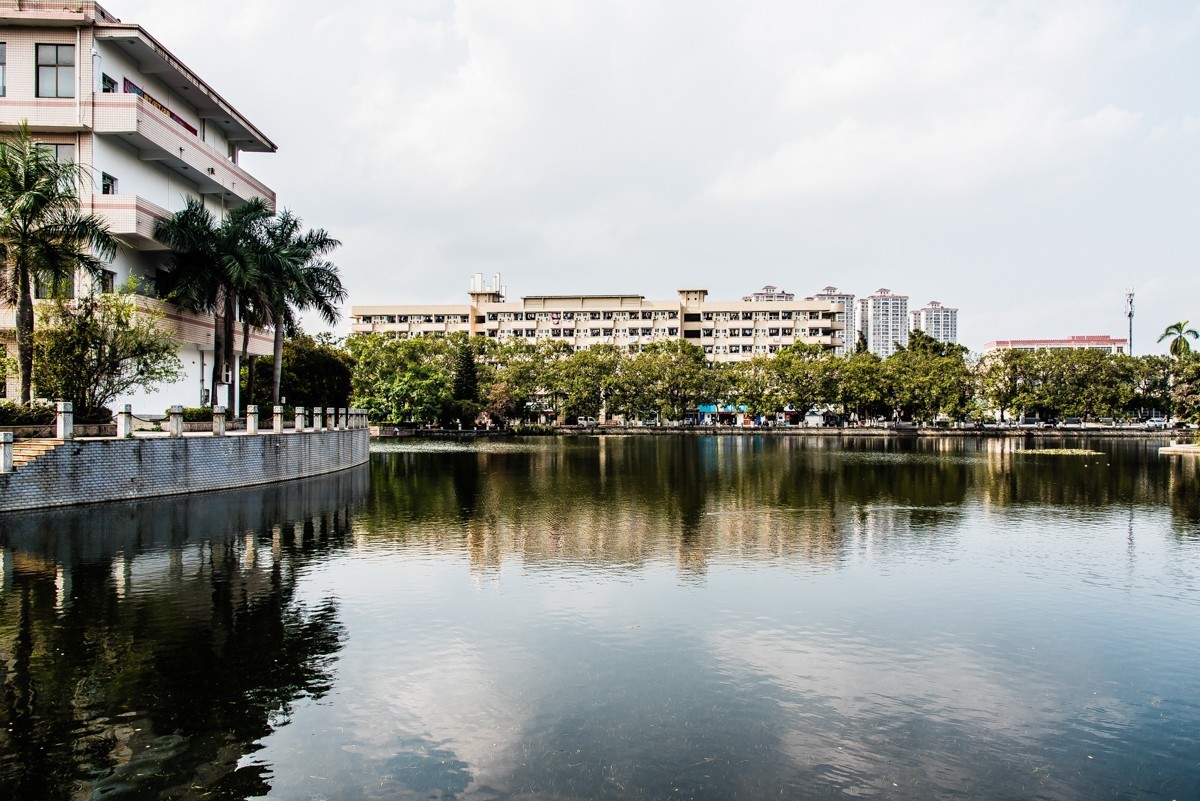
<point>630,146</point>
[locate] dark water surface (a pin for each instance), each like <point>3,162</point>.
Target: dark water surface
<point>620,618</point>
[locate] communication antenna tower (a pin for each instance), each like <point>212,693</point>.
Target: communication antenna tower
<point>1129,314</point>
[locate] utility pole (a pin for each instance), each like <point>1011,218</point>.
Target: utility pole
<point>1129,314</point>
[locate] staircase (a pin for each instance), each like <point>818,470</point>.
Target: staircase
<point>25,451</point>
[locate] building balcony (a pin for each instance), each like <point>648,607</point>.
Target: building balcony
<point>158,137</point>
<point>131,219</point>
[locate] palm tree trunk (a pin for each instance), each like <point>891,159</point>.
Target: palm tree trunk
<point>249,393</point>
<point>24,337</point>
<point>277,360</point>
<point>218,370</point>
<point>230,314</point>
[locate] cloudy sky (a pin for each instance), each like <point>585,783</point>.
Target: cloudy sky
<point>1024,161</point>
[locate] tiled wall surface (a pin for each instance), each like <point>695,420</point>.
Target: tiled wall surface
<point>91,471</point>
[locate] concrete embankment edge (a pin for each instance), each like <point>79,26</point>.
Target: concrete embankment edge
<point>102,470</point>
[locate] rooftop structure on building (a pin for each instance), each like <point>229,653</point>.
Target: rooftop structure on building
<point>728,331</point>
<point>936,320</point>
<point>152,133</point>
<point>768,294</point>
<point>883,320</point>
<point>1085,342</point>
<point>849,317</point>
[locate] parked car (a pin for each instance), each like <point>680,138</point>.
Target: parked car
<point>1155,424</point>
<point>587,422</point>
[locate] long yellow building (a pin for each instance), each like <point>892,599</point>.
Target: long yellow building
<point>728,331</point>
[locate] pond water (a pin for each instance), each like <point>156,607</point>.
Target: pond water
<point>620,618</point>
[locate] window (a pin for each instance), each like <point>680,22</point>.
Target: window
<point>3,375</point>
<point>63,154</point>
<point>108,184</point>
<point>108,282</point>
<point>64,288</point>
<point>108,85</point>
<point>55,70</point>
<point>3,90</point>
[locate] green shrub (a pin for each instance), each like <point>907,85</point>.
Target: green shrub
<point>199,414</point>
<point>16,414</point>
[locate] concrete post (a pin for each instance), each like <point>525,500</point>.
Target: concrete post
<point>125,422</point>
<point>6,452</point>
<point>65,419</point>
<point>278,428</point>
<point>251,419</point>
<point>331,419</point>
<point>218,421</point>
<point>175,427</point>
<point>342,425</point>
<point>299,419</point>
<point>319,418</point>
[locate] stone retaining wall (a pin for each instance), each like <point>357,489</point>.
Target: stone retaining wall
<point>97,470</point>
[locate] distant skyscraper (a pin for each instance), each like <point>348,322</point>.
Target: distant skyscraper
<point>831,293</point>
<point>883,318</point>
<point>939,321</point>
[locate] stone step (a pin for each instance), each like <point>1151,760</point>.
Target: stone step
<point>29,450</point>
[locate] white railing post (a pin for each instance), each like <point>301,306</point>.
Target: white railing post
<point>175,427</point>
<point>331,419</point>
<point>278,419</point>
<point>65,420</point>
<point>341,419</point>
<point>218,421</point>
<point>251,419</point>
<point>299,419</point>
<point>125,422</point>
<point>6,452</point>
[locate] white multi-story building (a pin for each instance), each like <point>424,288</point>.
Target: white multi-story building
<point>938,321</point>
<point>831,294</point>
<point>1078,342</point>
<point>883,319</point>
<point>728,331</point>
<point>149,131</point>
<point>768,294</point>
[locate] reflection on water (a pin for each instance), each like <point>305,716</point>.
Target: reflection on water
<point>147,647</point>
<point>705,618</point>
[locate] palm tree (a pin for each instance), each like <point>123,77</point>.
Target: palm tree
<point>213,266</point>
<point>44,237</point>
<point>297,276</point>
<point>1178,333</point>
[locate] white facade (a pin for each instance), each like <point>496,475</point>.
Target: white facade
<point>883,318</point>
<point>849,317</point>
<point>151,134</point>
<point>938,321</point>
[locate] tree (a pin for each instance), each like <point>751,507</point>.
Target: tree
<point>668,378</point>
<point>929,378</point>
<point>756,385</point>
<point>212,265</point>
<point>400,380</point>
<point>44,237</point>
<point>1185,391</point>
<point>805,377</point>
<point>465,388</point>
<point>1002,375</point>
<point>313,372</point>
<point>857,382</point>
<point>296,276</point>
<point>1179,333</point>
<point>92,350</point>
<point>585,380</point>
